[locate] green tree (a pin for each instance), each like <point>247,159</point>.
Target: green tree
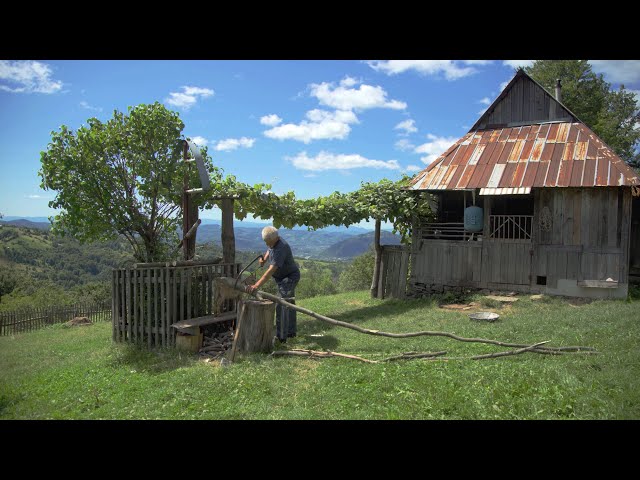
<point>122,177</point>
<point>357,276</point>
<point>611,114</point>
<point>9,280</point>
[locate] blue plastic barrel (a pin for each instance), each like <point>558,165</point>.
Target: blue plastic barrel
<point>473,219</point>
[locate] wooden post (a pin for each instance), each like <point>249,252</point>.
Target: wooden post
<point>378,258</point>
<point>255,327</point>
<point>227,234</point>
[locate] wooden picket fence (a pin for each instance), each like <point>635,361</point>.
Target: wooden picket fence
<point>147,300</point>
<point>32,318</point>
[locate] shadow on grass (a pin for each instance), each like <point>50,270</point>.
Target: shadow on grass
<point>155,360</point>
<point>365,314</point>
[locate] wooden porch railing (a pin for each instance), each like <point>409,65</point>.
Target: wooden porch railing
<point>511,227</point>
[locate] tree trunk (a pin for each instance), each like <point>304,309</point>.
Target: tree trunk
<point>255,329</point>
<point>376,266</point>
<point>228,237</point>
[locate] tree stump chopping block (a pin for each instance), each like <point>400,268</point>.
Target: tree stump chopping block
<point>255,329</point>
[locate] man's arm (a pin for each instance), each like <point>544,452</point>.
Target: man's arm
<point>267,275</point>
<point>264,258</point>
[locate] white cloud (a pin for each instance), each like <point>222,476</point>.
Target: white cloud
<point>451,69</point>
<point>518,63</point>
<point>343,97</point>
<point>28,77</point>
<point>413,168</point>
<point>618,71</point>
<point>349,82</point>
<point>188,97</point>
<point>503,85</point>
<point>478,62</point>
<point>235,143</point>
<point>485,101</point>
<point>408,126</point>
<point>35,197</point>
<point>321,125</point>
<point>436,147</point>
<point>270,120</point>
<point>329,161</point>
<point>86,106</point>
<point>200,141</point>
<point>404,145</point>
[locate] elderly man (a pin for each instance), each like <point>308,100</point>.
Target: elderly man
<point>286,273</point>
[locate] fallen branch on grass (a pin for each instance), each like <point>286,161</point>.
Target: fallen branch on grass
<point>404,356</point>
<point>317,354</point>
<point>229,287</point>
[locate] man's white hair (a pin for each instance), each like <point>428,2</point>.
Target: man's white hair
<point>269,233</point>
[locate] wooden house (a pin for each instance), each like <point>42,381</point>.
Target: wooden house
<point>555,205</point>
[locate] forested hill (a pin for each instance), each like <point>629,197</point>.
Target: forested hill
<point>40,255</point>
<point>327,243</point>
<point>357,245</point>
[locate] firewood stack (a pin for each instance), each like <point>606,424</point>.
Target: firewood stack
<point>216,345</point>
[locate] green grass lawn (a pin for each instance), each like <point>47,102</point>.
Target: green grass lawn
<point>78,373</point>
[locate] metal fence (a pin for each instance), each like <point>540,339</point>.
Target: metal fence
<point>32,318</point>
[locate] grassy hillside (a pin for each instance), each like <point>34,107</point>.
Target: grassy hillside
<point>78,373</point>
<point>62,260</point>
<point>39,268</point>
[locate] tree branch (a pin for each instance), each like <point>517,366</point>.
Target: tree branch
<point>229,282</point>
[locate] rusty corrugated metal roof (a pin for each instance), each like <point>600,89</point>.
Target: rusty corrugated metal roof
<point>543,155</point>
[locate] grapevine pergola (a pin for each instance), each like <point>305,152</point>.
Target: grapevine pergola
<point>383,201</point>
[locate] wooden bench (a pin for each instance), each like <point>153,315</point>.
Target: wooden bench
<point>206,320</point>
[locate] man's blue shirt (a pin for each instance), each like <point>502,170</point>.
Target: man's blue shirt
<point>281,256</point>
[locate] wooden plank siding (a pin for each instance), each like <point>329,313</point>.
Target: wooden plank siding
<point>585,237</point>
<point>146,301</point>
<point>524,102</point>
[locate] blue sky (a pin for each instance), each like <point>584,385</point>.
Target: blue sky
<point>313,127</point>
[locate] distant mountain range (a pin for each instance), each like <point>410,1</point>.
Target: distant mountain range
<point>327,244</point>
<point>357,245</point>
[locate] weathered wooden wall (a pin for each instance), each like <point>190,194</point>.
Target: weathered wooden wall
<point>447,263</point>
<point>147,301</point>
<point>634,250</point>
<point>578,234</point>
<point>527,103</point>
<point>587,236</point>
<point>394,269</point>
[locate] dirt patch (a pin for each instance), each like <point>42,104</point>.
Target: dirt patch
<point>578,301</point>
<point>502,299</point>
<point>460,306</point>
<point>78,322</point>
<point>356,302</point>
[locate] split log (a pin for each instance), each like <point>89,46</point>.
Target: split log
<point>255,327</point>
<point>231,284</point>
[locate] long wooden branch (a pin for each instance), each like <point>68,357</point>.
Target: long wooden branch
<point>231,283</point>
<point>315,353</point>
<point>404,356</point>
